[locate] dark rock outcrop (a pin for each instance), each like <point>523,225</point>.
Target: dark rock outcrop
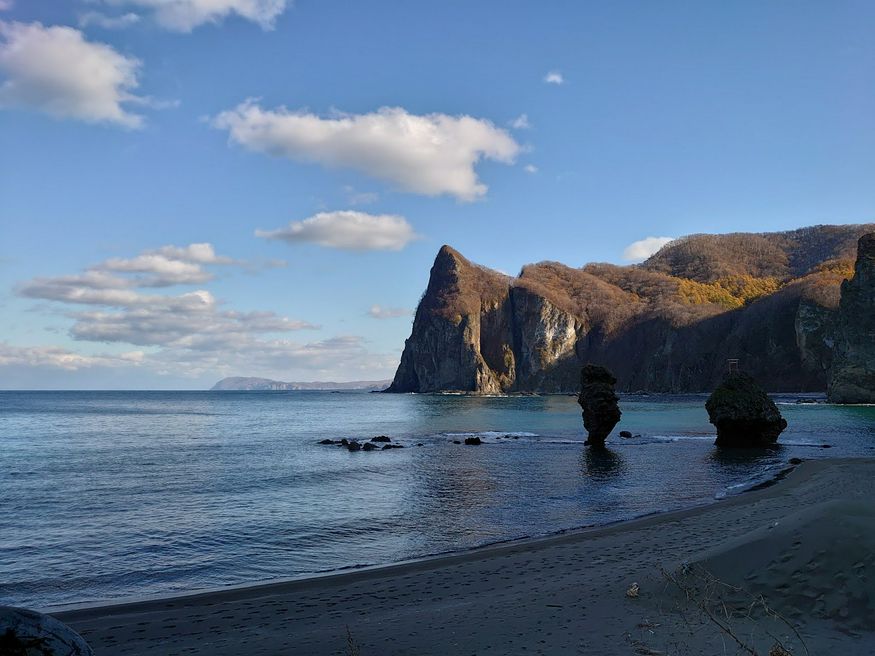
<point>667,325</point>
<point>473,441</point>
<point>353,445</point>
<point>601,410</point>
<point>369,446</point>
<point>743,413</point>
<point>852,379</point>
<point>29,633</point>
<point>381,438</point>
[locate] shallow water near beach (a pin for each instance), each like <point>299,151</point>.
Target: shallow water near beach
<point>107,495</point>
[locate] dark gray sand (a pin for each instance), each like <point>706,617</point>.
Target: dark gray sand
<point>806,543</point>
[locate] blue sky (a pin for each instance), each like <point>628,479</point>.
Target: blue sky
<point>358,137</point>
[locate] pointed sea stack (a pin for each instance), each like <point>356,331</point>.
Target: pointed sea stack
<point>601,411</point>
<point>852,378</point>
<point>743,413</point>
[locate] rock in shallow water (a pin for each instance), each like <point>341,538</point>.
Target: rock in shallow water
<point>601,410</point>
<point>473,441</point>
<point>30,633</point>
<point>743,413</point>
<point>381,438</point>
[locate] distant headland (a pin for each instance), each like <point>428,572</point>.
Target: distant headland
<point>250,383</point>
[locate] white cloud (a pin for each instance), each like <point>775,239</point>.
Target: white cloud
<point>554,77</point>
<point>185,15</point>
<point>187,335</point>
<point>111,282</point>
<point>201,253</point>
<point>56,357</point>
<point>56,71</point>
<point>428,154</point>
<point>644,248</point>
<point>380,312</point>
<point>348,230</point>
<point>108,22</point>
<point>6,5</point>
<point>521,122</point>
<point>530,168</point>
<point>354,197</point>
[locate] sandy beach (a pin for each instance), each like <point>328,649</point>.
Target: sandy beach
<point>806,543</point>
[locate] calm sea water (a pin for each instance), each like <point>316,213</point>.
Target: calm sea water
<point>105,495</point>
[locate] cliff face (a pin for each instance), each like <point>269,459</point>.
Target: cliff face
<point>668,324</point>
<point>461,332</point>
<point>852,379</point>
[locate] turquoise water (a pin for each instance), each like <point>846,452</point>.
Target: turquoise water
<point>106,495</point>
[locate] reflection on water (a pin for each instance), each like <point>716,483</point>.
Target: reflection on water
<point>137,493</point>
<point>601,463</point>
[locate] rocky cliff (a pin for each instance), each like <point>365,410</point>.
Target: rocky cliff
<point>852,379</point>
<point>668,324</point>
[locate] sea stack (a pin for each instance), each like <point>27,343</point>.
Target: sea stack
<point>743,413</point>
<point>601,411</point>
<point>852,377</point>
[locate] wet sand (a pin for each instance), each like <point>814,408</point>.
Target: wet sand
<point>807,543</point>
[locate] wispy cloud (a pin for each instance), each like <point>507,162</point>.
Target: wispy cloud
<point>644,248</point>
<point>186,15</point>
<point>380,312</point>
<point>521,122</point>
<point>106,22</point>
<point>56,357</point>
<point>530,168</point>
<point>354,197</point>
<point>347,230</point>
<point>57,71</point>
<point>429,154</point>
<point>554,77</point>
<point>188,334</point>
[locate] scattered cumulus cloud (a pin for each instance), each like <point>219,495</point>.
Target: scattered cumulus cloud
<point>186,15</point>
<point>111,282</point>
<point>554,77</point>
<point>188,334</point>
<point>644,248</point>
<point>56,357</point>
<point>429,154</point>
<point>347,230</point>
<point>521,122</point>
<point>55,70</point>
<point>530,168</point>
<point>380,312</point>
<point>99,19</point>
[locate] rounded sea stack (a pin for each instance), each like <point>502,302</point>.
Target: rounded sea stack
<point>743,414</point>
<point>601,410</point>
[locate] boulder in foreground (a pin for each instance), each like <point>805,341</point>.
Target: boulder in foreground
<point>34,634</point>
<point>601,410</point>
<point>743,413</point>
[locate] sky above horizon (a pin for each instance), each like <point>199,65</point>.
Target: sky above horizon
<point>193,189</point>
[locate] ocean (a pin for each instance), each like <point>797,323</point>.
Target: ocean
<point>113,495</point>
